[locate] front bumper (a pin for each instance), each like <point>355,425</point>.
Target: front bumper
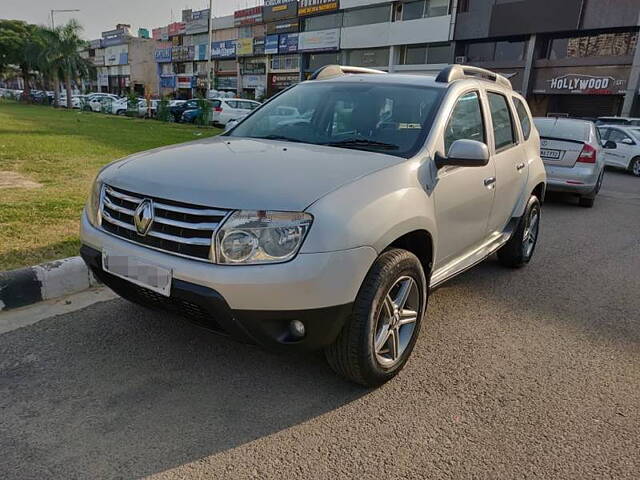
<point>206,307</point>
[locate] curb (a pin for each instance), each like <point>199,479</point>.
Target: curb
<point>26,286</point>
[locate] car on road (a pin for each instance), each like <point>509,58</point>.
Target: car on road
<point>630,121</point>
<point>627,152</point>
<point>227,109</point>
<point>329,232</point>
<point>573,156</point>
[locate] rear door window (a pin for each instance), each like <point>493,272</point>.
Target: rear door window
<point>523,116</point>
<point>503,131</point>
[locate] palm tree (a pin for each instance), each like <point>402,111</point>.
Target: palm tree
<point>62,55</point>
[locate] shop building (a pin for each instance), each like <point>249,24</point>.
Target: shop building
<point>575,57</point>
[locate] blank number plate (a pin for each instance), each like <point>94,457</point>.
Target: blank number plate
<point>551,154</point>
<point>138,271</point>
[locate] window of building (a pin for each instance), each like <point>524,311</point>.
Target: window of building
<point>369,57</point>
<point>437,8</point>
<point>322,22</point>
<point>506,50</point>
<point>503,131</point>
<point>413,10</point>
<point>509,50</point>
<point>366,16</point>
<point>439,54</point>
<point>466,121</point>
<point>424,8</point>
<point>523,115</point>
<point>421,54</point>
<point>285,62</point>
<point>317,60</point>
<point>179,67</point>
<point>480,52</point>
<point>227,65</point>
<point>599,45</point>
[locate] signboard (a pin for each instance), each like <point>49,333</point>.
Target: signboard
<point>253,68</point>
<point>288,43</point>
<point>182,53</point>
<point>225,49</point>
<point>287,26</point>
<point>176,28</point>
<point>258,46</point>
<point>143,33</point>
<point>167,81</point>
<point>244,47</point>
<point>200,52</point>
<point>312,7</point>
<point>322,40</point>
<point>280,81</point>
<point>114,37</point>
<point>253,81</point>
<point>271,44</point>
<point>608,80</point>
<point>196,22</point>
<point>95,43</point>
<point>163,55</point>
<point>226,83</point>
<point>185,81</point>
<point>279,11</point>
<point>160,34</point>
<point>248,16</point>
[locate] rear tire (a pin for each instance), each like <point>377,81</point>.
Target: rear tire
<point>378,338</point>
<point>519,250</point>
<point>586,202</point>
<point>634,166</point>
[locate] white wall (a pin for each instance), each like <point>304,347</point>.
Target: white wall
<point>423,30</point>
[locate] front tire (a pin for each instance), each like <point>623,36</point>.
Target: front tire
<point>377,340</point>
<point>634,166</point>
<point>518,251</point>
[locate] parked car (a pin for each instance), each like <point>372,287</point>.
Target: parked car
<point>178,109</point>
<point>327,233</point>
<point>226,109</point>
<point>627,152</point>
<point>76,101</point>
<point>573,156</point>
<point>98,102</point>
<point>190,116</point>
<point>618,121</point>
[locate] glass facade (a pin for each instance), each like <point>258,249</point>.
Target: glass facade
<point>421,54</point>
<point>598,45</point>
<point>367,16</point>
<point>504,50</point>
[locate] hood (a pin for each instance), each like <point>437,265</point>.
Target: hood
<point>241,173</point>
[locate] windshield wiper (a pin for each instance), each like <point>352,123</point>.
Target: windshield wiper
<point>279,137</point>
<point>361,142</point>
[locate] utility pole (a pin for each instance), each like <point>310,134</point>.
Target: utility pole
<point>209,47</point>
<point>53,23</point>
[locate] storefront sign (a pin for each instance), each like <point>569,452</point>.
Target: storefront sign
<point>253,81</point>
<point>160,34</point>
<point>582,80</point>
<point>271,44</point>
<point>312,7</point>
<point>283,80</point>
<point>186,82</point>
<point>248,16</point>
<point>322,40</point>
<point>245,47</point>
<point>279,11</point>
<point>253,68</point>
<point>167,81</point>
<point>182,53</point>
<point>287,26</point>
<point>226,49</point>
<point>163,55</point>
<point>95,43</point>
<point>176,28</point>
<point>258,46</point>
<point>200,52</point>
<point>196,22</point>
<point>288,43</point>
<point>226,83</point>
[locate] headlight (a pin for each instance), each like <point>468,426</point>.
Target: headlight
<point>93,203</point>
<point>254,237</point>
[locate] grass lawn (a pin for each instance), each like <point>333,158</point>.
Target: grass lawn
<point>48,159</point>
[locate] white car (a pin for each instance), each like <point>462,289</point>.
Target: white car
<point>94,101</point>
<point>76,101</point>
<point>627,152</point>
<point>226,109</point>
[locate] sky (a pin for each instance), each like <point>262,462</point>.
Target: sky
<point>99,16</point>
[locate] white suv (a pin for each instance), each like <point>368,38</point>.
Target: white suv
<point>327,231</point>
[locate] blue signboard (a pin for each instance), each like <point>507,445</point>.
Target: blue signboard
<point>226,49</point>
<point>168,81</point>
<point>288,43</point>
<point>200,52</point>
<point>271,44</point>
<point>124,58</point>
<point>163,55</point>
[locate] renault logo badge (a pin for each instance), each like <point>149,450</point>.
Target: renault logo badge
<point>143,216</point>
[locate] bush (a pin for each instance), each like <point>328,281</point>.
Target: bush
<point>203,115</point>
<point>163,114</point>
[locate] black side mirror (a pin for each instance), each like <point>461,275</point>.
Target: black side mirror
<point>610,145</point>
<point>465,153</point>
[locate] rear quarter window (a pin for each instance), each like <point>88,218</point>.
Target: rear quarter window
<point>523,116</point>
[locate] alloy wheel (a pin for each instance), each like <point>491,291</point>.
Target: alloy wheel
<point>396,321</point>
<point>530,235</point>
<point>636,167</point>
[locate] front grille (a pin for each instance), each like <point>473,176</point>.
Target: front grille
<point>177,227</point>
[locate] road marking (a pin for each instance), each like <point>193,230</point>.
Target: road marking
<point>23,317</point>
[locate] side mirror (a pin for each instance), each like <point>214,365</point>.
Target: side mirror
<point>465,153</point>
<point>610,145</point>
<point>627,141</point>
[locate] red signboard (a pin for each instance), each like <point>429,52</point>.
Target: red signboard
<point>176,28</point>
<point>248,16</point>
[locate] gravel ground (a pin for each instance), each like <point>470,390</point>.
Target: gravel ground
<point>532,373</point>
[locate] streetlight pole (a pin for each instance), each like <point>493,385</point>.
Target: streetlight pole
<point>53,23</point>
<point>209,47</point>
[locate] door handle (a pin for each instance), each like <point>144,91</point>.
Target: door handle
<point>490,182</point>
<point>520,166</point>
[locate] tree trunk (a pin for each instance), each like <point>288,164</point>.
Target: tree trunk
<point>67,80</point>
<point>56,91</point>
<point>26,91</point>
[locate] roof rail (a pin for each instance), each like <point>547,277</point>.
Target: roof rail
<point>331,71</point>
<point>456,72</point>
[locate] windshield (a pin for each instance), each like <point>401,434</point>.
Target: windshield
<point>393,119</point>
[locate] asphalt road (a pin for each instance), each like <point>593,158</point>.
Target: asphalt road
<point>533,373</point>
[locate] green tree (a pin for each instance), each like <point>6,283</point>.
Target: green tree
<point>20,44</point>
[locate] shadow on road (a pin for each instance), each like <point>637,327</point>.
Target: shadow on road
<point>116,390</point>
